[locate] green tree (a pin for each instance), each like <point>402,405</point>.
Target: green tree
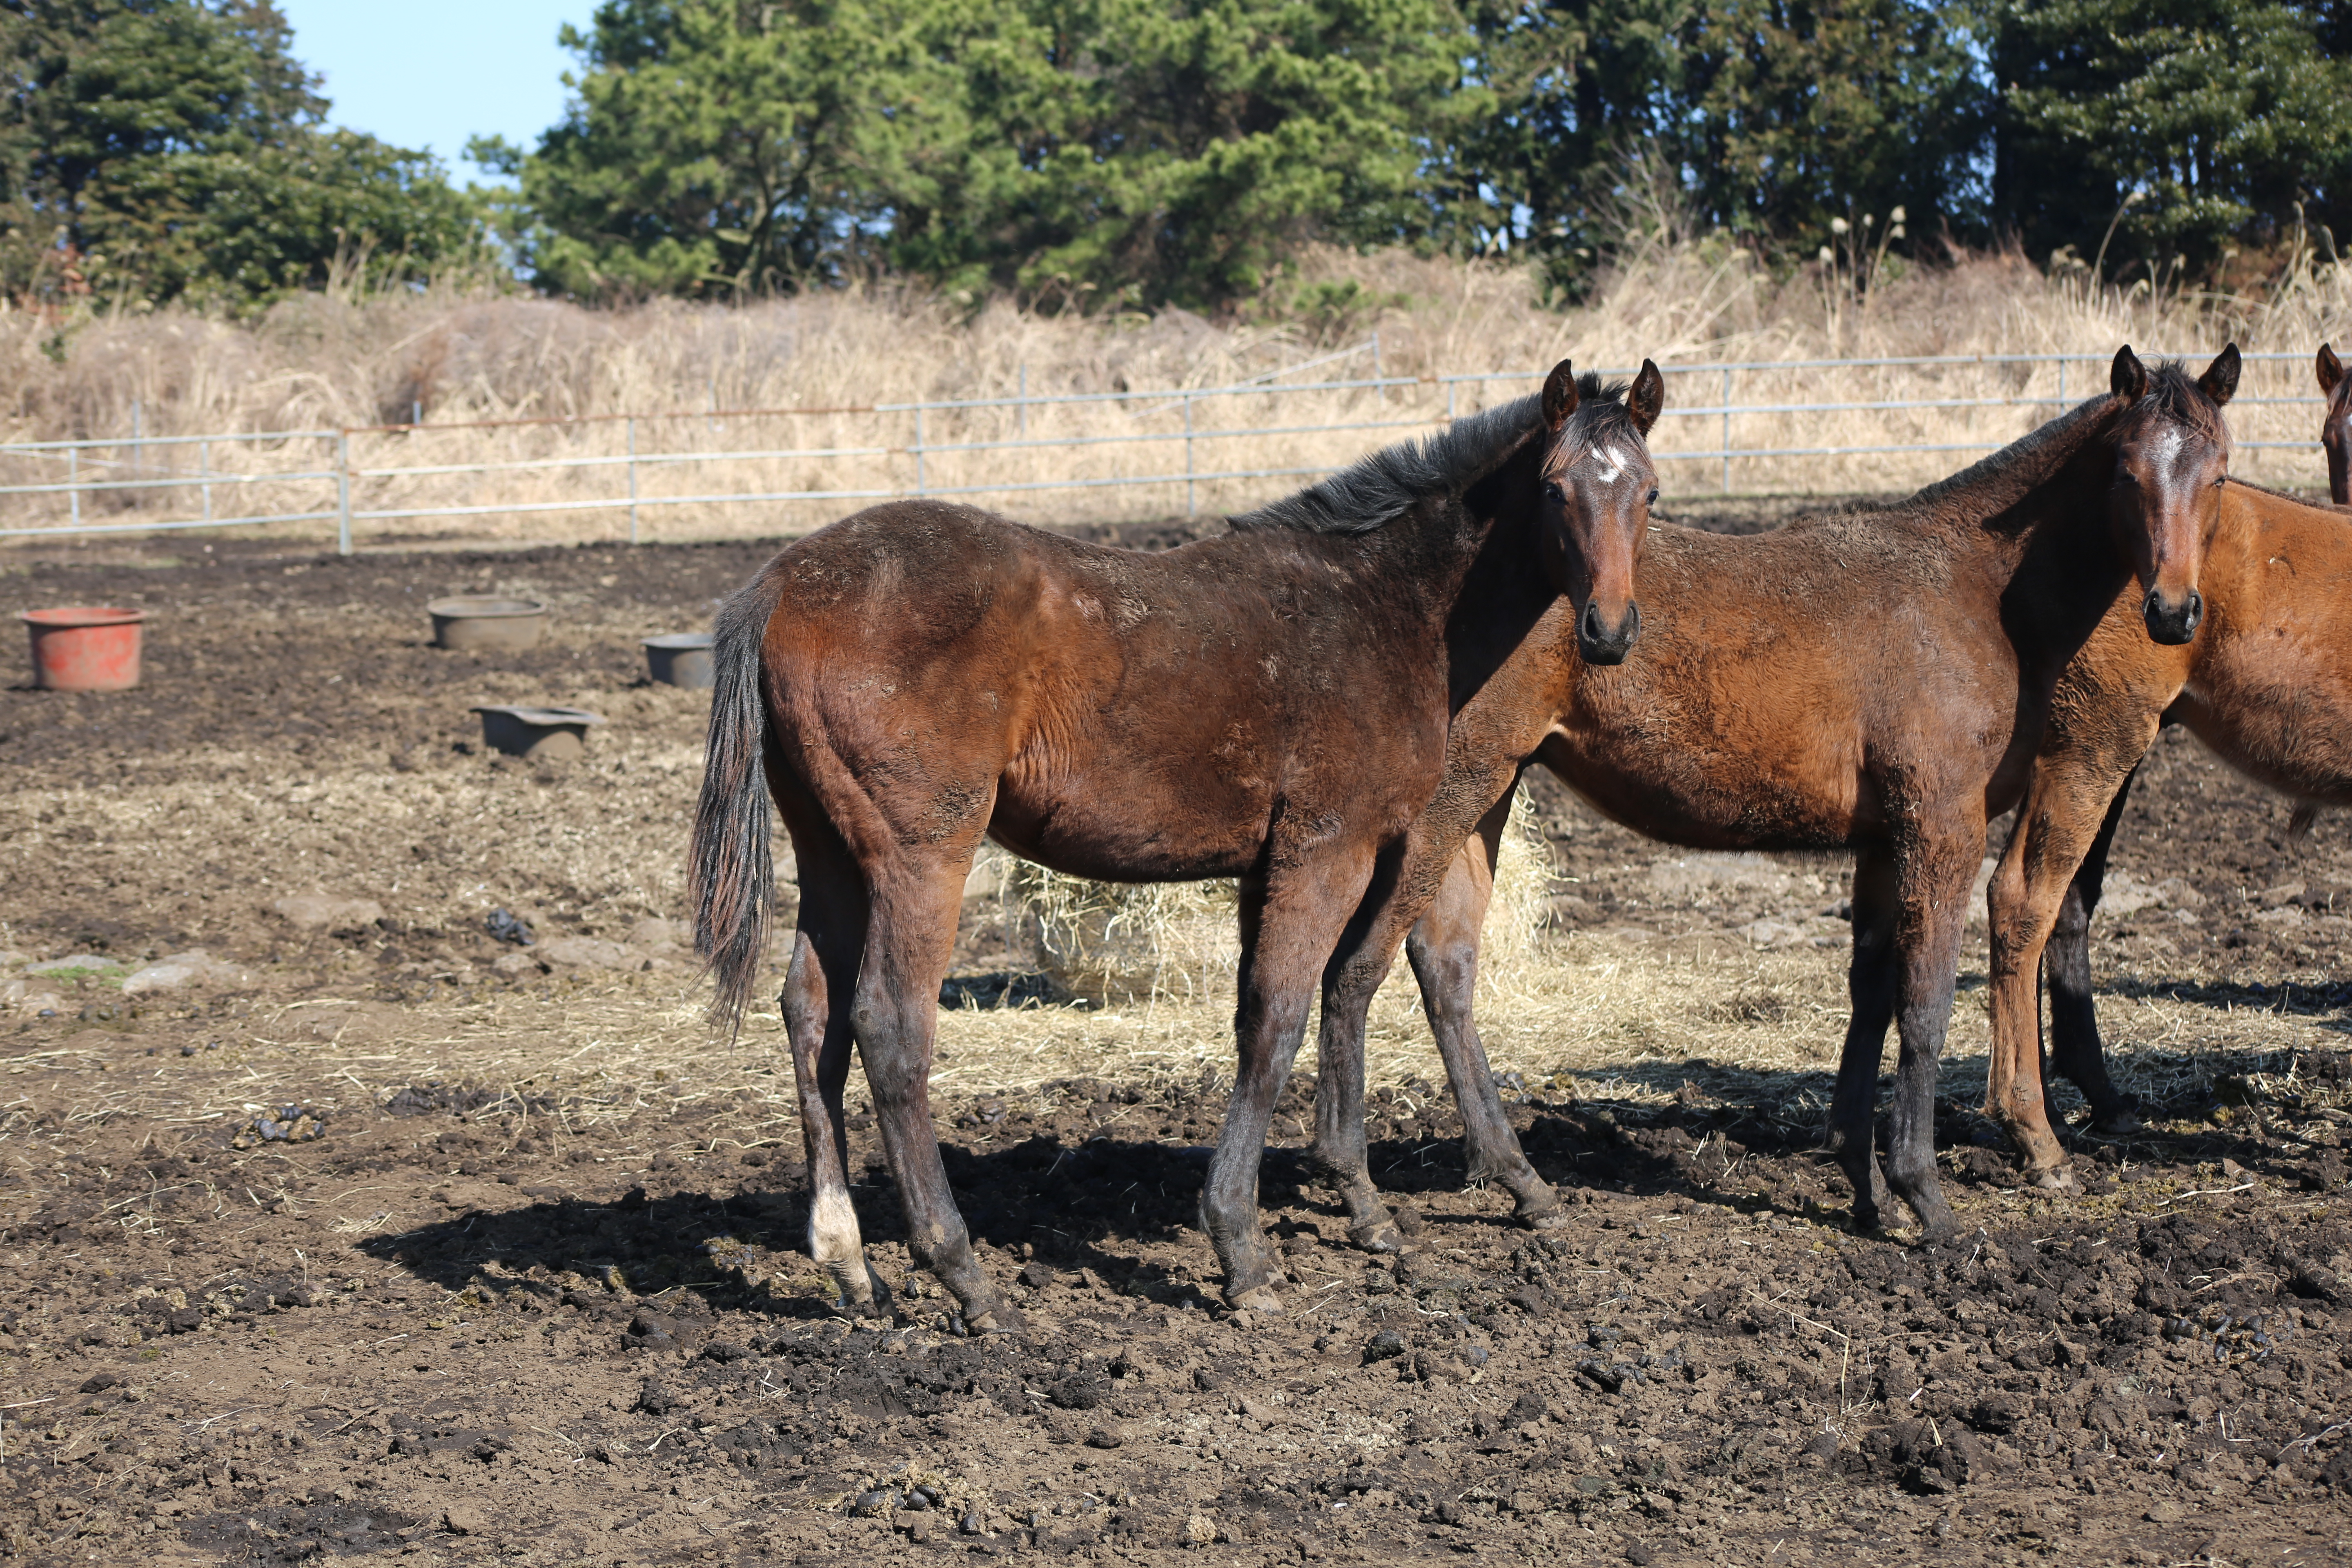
<point>1801,111</point>
<point>154,149</point>
<point>2165,128</point>
<point>712,146</point>
<point>1094,150</point>
<point>1763,119</point>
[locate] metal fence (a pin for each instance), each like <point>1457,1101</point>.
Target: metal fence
<point>774,470</point>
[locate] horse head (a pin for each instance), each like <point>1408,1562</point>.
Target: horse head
<point>2171,458</point>
<point>2336,426</point>
<point>1597,484</point>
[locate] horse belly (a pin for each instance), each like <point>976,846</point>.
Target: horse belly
<point>1132,828</point>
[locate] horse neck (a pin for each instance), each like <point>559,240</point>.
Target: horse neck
<point>1431,552</point>
<point>2042,498</point>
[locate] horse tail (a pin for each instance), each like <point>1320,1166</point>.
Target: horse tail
<point>734,882</point>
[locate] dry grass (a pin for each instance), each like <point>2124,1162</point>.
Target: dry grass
<point>325,362</point>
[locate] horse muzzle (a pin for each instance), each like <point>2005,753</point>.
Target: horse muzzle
<point>2174,624</point>
<point>1598,643</point>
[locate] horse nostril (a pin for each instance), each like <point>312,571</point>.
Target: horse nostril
<point>1591,627</point>
<point>2196,608</point>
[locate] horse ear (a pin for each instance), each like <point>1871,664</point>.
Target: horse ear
<point>2127,378</point>
<point>2330,368</point>
<point>1559,396</point>
<point>2220,378</point>
<point>1648,396</point>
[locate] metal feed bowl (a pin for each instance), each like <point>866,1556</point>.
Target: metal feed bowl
<point>482,623</point>
<point>553,734</point>
<point>681,658</point>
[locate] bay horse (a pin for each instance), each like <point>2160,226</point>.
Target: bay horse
<point>2267,687</point>
<point>1869,680</point>
<point>1270,704</point>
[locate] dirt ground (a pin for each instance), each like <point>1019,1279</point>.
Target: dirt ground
<point>384,1236</point>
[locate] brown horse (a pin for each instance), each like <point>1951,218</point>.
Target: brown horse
<point>1269,705</point>
<point>1869,680</point>
<point>2268,686</point>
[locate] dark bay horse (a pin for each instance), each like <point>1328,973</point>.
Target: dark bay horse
<point>1868,680</point>
<point>2267,686</point>
<point>1270,705</point>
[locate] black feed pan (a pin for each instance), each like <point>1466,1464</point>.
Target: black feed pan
<point>554,734</point>
<point>681,659</point>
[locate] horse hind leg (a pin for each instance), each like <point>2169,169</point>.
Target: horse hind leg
<point>816,1005</point>
<point>1933,908</point>
<point>1871,991</point>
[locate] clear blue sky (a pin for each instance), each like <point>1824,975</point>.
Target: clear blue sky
<point>430,73</point>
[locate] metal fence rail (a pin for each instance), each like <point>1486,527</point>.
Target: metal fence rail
<point>1233,437</point>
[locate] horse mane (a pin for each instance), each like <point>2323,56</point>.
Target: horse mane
<point>1377,490</point>
<point>2017,468</point>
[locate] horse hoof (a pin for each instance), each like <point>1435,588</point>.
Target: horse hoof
<point>1004,1318</point>
<point>1377,1235</point>
<point>1551,1216</point>
<point>2058,1179</point>
<point>2117,1123</point>
<point>1261,1298</point>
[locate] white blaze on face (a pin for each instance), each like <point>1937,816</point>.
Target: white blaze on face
<point>1612,463</point>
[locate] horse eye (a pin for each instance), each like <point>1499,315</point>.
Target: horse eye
<point>1652,499</point>
<point>1553,492</point>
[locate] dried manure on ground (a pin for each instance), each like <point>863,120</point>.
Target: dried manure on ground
<point>416,1216</point>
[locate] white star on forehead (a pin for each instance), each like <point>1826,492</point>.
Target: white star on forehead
<point>1612,463</point>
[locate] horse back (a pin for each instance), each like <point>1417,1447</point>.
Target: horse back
<point>1121,713</point>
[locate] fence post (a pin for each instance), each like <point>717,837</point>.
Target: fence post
<point>73,482</point>
<point>138,439</point>
<point>203,473</point>
<point>2062,383</point>
<point>919,449</point>
<point>1726,430</point>
<point>1376,374</point>
<point>342,492</point>
<point>632,479</point>
<point>1192,501</point>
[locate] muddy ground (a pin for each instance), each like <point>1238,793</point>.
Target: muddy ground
<point>388,1238</point>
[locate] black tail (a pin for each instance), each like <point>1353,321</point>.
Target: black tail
<point>734,880</point>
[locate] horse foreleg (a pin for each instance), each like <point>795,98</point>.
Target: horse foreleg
<point>908,943</point>
<point>1291,921</point>
<point>2076,1053</point>
<point>1443,952</point>
<point>2036,890</point>
<point>1870,994</point>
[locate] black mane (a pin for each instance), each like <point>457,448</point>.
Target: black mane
<point>1378,489</point>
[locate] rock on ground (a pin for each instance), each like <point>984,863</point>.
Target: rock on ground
<point>323,911</point>
<point>181,969</point>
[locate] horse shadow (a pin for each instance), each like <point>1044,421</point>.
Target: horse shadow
<point>1716,1133</point>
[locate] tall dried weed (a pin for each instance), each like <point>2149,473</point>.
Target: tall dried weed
<point>328,361</point>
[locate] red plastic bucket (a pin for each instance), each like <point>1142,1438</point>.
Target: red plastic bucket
<point>90,648</point>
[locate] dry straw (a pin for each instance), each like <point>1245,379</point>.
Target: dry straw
<point>327,361</point>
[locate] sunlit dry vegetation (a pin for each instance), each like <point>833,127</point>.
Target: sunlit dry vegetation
<point>322,361</point>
